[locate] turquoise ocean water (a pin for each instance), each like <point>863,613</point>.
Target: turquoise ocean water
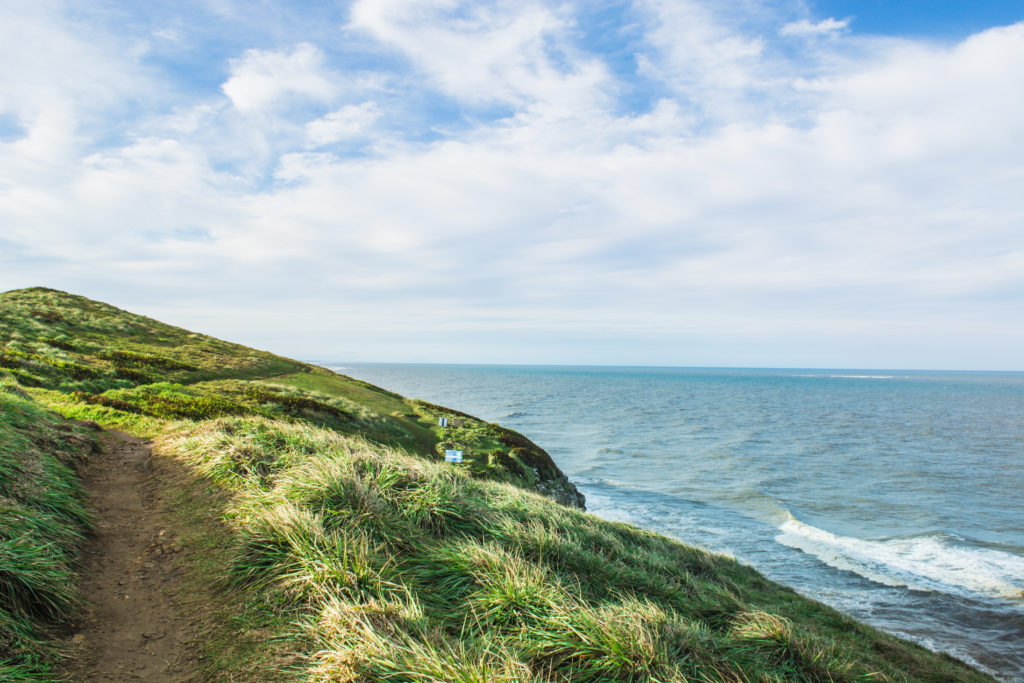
<point>896,497</point>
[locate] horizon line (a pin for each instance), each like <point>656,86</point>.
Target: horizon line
<point>661,367</point>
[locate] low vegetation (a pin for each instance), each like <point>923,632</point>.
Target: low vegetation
<point>402,569</point>
<point>42,522</point>
<point>357,554</point>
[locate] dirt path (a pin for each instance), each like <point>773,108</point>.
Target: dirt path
<point>134,628</point>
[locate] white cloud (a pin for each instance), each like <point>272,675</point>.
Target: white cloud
<point>48,58</point>
<point>57,85</point>
<point>263,78</point>
<point>348,122</point>
<point>808,28</point>
<point>717,69</point>
<point>501,51</point>
<point>862,185</point>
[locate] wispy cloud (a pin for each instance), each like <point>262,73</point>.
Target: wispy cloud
<point>494,52</point>
<point>805,27</point>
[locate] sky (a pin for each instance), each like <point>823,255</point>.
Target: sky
<point>754,183</point>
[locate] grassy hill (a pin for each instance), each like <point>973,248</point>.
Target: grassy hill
<point>352,551</point>
<point>98,362</point>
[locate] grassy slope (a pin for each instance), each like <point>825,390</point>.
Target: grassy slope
<point>407,570</point>
<point>363,558</point>
<point>94,361</point>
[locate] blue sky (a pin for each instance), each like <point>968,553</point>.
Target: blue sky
<point>667,182</point>
<point>922,18</point>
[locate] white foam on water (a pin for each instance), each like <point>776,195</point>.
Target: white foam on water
<point>931,563</point>
<point>862,376</point>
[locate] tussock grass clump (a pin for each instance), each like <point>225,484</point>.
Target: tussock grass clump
<point>42,520</point>
<point>514,594</point>
<point>399,569</point>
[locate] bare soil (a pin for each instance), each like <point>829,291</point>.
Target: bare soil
<point>140,618</point>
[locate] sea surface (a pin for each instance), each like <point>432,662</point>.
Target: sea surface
<point>896,497</point>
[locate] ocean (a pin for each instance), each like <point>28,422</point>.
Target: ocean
<point>896,497</point>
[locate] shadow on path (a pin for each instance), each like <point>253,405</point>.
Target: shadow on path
<point>140,618</point>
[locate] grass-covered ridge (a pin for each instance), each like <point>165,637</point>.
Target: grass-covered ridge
<point>94,361</point>
<point>353,552</point>
<point>61,341</point>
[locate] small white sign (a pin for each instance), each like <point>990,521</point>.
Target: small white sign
<point>442,421</point>
<point>453,456</point>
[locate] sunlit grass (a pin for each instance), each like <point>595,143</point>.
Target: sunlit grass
<point>401,569</point>
<point>349,539</point>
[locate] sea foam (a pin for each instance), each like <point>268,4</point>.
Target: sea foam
<point>934,562</point>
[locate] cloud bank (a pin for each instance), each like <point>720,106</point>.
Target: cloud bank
<point>653,182</point>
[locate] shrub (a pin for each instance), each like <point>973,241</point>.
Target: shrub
<point>295,405</point>
<point>65,344</point>
<point>144,361</point>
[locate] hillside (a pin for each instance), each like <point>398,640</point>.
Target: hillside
<point>333,543</point>
<point>99,362</point>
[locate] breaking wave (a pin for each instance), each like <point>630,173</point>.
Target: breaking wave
<point>934,562</point>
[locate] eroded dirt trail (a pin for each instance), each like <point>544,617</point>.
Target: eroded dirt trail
<point>134,628</point>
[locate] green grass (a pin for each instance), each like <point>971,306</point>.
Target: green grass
<point>93,361</point>
<point>363,393</point>
<point>74,408</point>
<point>401,569</point>
<point>332,543</point>
<point>42,520</point>
<point>246,635</point>
<point>394,409</point>
<point>61,341</point>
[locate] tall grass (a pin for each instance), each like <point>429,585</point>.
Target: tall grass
<point>42,520</point>
<point>399,569</point>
